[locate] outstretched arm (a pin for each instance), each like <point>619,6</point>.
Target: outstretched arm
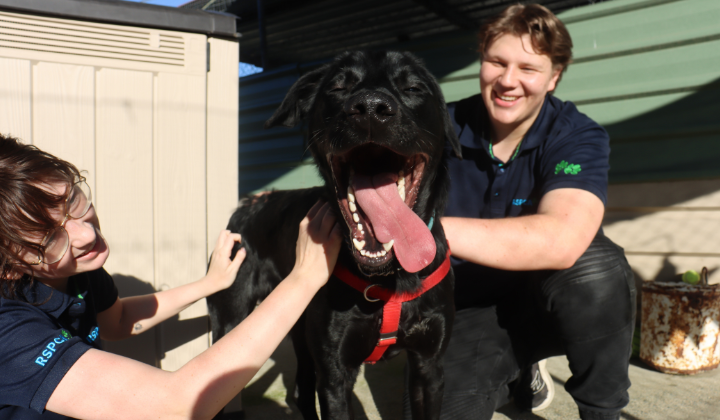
<point>136,314</point>
<point>105,386</point>
<point>554,238</point>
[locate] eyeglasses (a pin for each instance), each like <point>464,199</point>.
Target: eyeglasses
<point>57,241</point>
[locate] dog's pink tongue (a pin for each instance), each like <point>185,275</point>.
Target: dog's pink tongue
<point>392,219</point>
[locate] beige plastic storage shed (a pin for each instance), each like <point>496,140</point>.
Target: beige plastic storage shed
<point>145,99</point>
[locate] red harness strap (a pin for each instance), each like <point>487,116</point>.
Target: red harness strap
<point>393,302</point>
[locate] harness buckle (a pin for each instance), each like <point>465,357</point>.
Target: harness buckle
<point>385,339</point>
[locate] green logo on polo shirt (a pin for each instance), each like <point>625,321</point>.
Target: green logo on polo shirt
<point>568,168</point>
<point>66,334</point>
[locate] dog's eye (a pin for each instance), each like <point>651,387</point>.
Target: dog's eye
<point>413,89</point>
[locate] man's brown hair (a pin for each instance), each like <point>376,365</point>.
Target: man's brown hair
<point>25,206</point>
<point>547,33</point>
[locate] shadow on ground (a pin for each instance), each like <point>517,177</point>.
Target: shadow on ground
<point>269,394</point>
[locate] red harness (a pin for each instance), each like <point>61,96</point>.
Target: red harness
<point>393,302</point>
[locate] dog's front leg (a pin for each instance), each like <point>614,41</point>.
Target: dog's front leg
<point>335,389</point>
<point>335,339</point>
<point>305,376</point>
<point>426,385</point>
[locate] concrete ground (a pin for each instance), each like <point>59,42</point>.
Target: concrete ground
<point>378,393</point>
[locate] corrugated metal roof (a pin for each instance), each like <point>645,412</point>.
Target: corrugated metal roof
<point>304,31</point>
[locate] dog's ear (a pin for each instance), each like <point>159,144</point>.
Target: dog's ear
<point>299,99</point>
<point>450,135</point>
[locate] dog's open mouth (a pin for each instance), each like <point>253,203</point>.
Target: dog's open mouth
<point>377,189</point>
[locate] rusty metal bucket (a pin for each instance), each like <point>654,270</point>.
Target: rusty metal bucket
<point>680,327</point>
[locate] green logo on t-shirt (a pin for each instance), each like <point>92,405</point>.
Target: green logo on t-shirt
<point>66,334</point>
<point>568,168</point>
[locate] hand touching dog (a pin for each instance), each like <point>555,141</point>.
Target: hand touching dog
<point>222,270</point>
<point>318,245</point>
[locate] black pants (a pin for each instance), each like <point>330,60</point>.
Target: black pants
<point>586,312</point>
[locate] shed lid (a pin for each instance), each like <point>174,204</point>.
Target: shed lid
<point>131,14</point>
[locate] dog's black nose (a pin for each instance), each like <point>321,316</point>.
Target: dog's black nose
<point>373,105</point>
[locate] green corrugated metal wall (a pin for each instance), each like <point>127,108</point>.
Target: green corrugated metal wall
<point>647,70</point>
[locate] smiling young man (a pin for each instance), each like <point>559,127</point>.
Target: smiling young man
<point>535,277</point>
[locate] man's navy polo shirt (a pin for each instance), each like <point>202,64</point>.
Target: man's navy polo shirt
<point>42,336</point>
<point>562,149</point>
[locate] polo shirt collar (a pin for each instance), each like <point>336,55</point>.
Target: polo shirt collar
<point>474,135</point>
<point>53,302</point>
<point>542,125</point>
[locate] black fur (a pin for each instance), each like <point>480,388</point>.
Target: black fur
<point>359,107</point>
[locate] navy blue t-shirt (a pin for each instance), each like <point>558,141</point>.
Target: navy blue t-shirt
<point>43,335</point>
<point>562,149</point>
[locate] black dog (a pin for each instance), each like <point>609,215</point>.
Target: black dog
<point>379,133</point>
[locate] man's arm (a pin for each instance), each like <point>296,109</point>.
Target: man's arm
<point>553,239</point>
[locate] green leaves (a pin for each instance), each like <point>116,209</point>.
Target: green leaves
<point>568,168</point>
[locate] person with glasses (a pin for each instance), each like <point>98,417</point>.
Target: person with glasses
<point>57,302</point>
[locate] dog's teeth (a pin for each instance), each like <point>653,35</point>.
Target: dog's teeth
<point>360,227</point>
<point>383,253</point>
<point>401,173</point>
<point>351,194</point>
<point>389,245</point>
<point>401,186</point>
<point>359,244</point>
<point>356,218</point>
<point>353,207</point>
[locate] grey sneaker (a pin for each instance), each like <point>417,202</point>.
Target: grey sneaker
<point>534,389</point>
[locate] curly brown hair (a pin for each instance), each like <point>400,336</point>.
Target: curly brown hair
<point>547,33</point>
<point>25,206</point>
